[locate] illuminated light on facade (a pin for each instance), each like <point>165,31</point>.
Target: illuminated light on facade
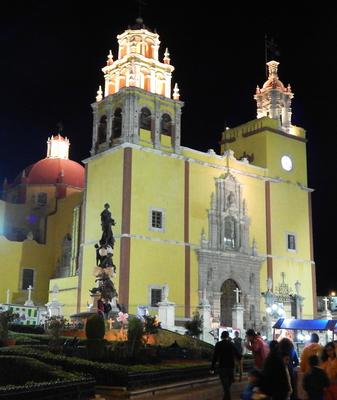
<point>138,63</point>
<point>99,96</point>
<point>58,147</point>
<point>176,94</point>
<point>274,99</point>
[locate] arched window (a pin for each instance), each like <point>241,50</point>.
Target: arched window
<point>145,119</point>
<point>117,125</point>
<point>166,125</point>
<point>230,233</point>
<point>102,130</point>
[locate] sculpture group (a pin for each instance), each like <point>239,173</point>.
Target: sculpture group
<point>105,268</point>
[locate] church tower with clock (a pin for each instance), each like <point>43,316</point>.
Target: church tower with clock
<point>273,143</point>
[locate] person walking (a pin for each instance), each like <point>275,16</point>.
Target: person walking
<point>315,380</point>
<point>238,343</point>
<point>313,348</point>
<point>329,365</point>
<point>258,347</point>
<point>276,382</point>
<point>225,354</point>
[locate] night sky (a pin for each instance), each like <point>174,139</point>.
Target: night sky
<point>51,59</point>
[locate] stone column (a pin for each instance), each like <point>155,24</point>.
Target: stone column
<point>204,310</point>
<point>156,132</point>
<point>94,130</point>
<point>166,314</point>
<point>216,305</point>
<point>177,122</point>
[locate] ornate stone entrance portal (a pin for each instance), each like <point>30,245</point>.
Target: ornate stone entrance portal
<point>226,259</point>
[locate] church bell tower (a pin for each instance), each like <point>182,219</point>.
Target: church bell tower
<point>137,104</point>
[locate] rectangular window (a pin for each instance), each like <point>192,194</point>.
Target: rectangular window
<point>27,278</point>
<point>291,241</point>
<point>155,297</point>
<point>157,219</point>
<point>41,199</point>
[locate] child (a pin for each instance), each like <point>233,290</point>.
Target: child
<point>316,380</point>
<point>252,391</point>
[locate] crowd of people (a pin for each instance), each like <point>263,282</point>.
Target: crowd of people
<point>278,374</point>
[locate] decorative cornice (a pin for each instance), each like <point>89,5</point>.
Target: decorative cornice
<point>200,162</point>
<point>277,131</point>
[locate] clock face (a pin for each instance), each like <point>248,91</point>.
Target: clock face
<point>286,163</point>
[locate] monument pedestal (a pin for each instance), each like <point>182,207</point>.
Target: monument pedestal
<point>237,317</point>
<point>94,307</point>
<point>54,308</point>
<point>167,314</point>
<point>205,314</point>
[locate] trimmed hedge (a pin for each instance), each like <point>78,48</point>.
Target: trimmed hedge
<point>104,374</point>
<point>35,329</point>
<point>113,374</point>
<point>31,370</point>
<point>24,377</point>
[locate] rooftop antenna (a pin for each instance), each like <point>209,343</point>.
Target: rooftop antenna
<point>140,4</point>
<point>59,127</point>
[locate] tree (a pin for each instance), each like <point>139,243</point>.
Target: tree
<point>194,327</point>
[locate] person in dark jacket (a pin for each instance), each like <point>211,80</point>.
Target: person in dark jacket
<point>316,380</point>
<point>275,375</point>
<point>225,354</point>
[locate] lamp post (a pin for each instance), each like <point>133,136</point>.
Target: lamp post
<point>274,310</point>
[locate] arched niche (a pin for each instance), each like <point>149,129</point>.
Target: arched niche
<point>102,130</point>
<point>166,125</point>
<point>117,123</point>
<point>145,119</point>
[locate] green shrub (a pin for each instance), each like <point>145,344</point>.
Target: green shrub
<point>35,329</point>
<point>135,336</point>
<point>95,327</point>
<point>55,325</point>
<point>194,327</point>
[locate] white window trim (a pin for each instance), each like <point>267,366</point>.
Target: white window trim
<point>21,278</point>
<point>163,219</point>
<point>296,244</point>
<point>149,296</point>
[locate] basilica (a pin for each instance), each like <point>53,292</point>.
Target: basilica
<point>207,226</point>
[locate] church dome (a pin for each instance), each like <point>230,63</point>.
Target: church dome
<point>56,170</point>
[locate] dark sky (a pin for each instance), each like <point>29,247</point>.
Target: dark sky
<point>52,54</point>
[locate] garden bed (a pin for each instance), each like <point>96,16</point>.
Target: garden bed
<point>40,380</point>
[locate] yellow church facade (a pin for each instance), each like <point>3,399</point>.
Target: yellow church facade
<point>199,224</point>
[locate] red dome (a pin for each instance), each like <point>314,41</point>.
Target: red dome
<point>56,170</point>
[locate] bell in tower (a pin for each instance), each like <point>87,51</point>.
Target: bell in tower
<point>137,104</point>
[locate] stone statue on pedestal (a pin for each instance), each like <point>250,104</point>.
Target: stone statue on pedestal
<point>105,290</point>
<point>106,223</point>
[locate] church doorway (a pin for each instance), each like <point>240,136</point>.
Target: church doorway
<point>227,301</point>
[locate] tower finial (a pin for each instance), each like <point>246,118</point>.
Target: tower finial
<point>167,59</point>
<point>110,58</point>
<point>176,94</point>
<point>272,69</point>
<point>99,96</point>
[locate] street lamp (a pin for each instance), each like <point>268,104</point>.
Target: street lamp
<point>274,310</point>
